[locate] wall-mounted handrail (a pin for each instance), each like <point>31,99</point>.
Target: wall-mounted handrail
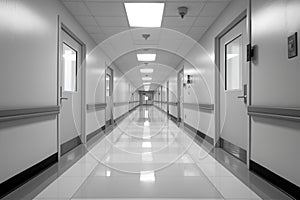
<point>25,113</point>
<point>98,106</point>
<point>290,114</point>
<point>209,107</point>
<point>121,104</point>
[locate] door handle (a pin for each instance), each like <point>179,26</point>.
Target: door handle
<point>63,98</point>
<point>242,97</point>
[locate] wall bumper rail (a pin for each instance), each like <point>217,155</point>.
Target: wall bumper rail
<point>25,113</point>
<point>98,106</point>
<point>290,114</point>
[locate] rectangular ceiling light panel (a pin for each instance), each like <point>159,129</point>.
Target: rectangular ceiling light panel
<point>144,14</point>
<point>146,70</point>
<point>146,78</point>
<point>146,57</point>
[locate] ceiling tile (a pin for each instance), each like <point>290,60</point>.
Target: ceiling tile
<point>106,9</point>
<point>98,37</point>
<point>109,31</point>
<point>197,32</point>
<point>112,21</point>
<point>77,8</point>
<point>92,29</point>
<point>213,8</point>
<point>204,21</point>
<point>86,20</point>
<point>194,8</point>
<point>177,21</point>
<point>182,29</point>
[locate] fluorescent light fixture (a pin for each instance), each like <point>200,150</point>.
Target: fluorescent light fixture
<point>146,71</point>
<point>147,83</point>
<point>144,14</point>
<point>146,145</point>
<point>147,176</point>
<point>108,173</point>
<point>146,78</point>
<point>146,57</point>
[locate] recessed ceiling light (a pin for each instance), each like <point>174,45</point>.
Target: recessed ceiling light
<point>144,14</point>
<point>146,57</point>
<point>146,78</point>
<point>146,70</point>
<point>147,176</point>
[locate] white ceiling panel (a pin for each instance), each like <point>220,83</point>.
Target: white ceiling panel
<point>93,29</point>
<point>177,21</point>
<point>213,8</point>
<point>112,21</point>
<point>77,7</point>
<point>197,32</point>
<point>204,21</point>
<point>98,37</point>
<point>110,31</point>
<point>86,20</point>
<point>105,9</point>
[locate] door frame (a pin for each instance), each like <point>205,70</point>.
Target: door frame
<point>63,27</point>
<point>179,85</point>
<point>246,14</point>
<point>112,97</point>
<point>168,99</point>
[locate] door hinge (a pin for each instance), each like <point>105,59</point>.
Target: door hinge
<point>250,52</point>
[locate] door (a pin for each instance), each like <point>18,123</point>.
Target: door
<point>233,92</point>
<point>168,99</point>
<point>70,93</point>
<point>180,96</point>
<point>109,97</point>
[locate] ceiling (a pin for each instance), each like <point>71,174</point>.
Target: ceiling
<point>164,66</point>
<point>104,18</point>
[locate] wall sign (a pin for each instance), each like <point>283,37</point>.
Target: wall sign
<point>292,46</point>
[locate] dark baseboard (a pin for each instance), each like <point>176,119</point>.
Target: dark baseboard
<point>173,118</point>
<point>234,150</point>
<point>23,177</point>
<point>93,134</point>
<point>283,184</point>
<point>133,109</point>
<point>69,145</point>
<point>200,134</point>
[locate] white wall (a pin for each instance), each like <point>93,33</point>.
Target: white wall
<point>173,98</point>
<point>28,78</point>
<point>121,93</point>
<point>275,78</point>
<point>199,63</point>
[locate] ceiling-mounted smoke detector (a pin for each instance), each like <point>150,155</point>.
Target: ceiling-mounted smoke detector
<point>182,11</point>
<point>146,36</point>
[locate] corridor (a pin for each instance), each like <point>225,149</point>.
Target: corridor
<point>149,99</point>
<point>147,156</point>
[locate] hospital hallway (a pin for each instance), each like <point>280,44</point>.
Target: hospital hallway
<point>147,156</point>
<point>149,99</point>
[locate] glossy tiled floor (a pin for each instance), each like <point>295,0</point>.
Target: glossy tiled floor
<point>145,157</point>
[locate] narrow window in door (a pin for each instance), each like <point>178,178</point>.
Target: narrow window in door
<point>70,69</point>
<point>108,85</point>
<point>233,60</point>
